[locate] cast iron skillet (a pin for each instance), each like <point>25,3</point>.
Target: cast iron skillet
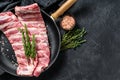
<point>7,56</point>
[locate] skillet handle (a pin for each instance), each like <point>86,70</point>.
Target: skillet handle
<point>63,8</point>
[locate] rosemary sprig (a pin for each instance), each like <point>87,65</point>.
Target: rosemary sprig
<point>23,40</point>
<point>73,39</point>
<point>29,47</point>
<point>28,44</point>
<point>33,47</point>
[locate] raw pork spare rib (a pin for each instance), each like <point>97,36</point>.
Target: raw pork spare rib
<point>31,16</point>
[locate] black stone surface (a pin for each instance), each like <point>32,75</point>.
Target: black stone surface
<point>99,57</point>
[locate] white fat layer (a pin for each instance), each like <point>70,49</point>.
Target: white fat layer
<point>11,30</point>
<point>5,25</point>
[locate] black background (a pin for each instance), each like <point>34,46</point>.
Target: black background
<point>99,57</point>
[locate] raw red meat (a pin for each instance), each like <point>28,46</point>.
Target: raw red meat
<point>31,16</point>
<point>9,24</point>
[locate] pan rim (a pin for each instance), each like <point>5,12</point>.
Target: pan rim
<point>50,63</point>
<point>58,42</point>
